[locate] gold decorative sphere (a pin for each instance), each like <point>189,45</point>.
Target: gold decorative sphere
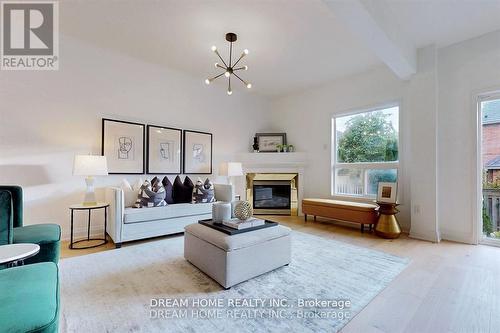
<point>243,210</point>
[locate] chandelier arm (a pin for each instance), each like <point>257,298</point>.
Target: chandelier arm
<point>220,66</point>
<point>245,83</point>
<point>237,61</point>
<point>217,76</point>
<point>229,85</point>
<point>238,69</point>
<point>217,52</point>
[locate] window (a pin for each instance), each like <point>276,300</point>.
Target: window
<point>366,151</point>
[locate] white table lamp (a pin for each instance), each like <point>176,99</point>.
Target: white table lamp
<point>230,169</point>
<point>89,166</point>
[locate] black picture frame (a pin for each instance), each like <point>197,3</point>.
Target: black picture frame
<point>148,138</point>
<point>111,171</point>
<point>185,164</point>
<point>282,136</point>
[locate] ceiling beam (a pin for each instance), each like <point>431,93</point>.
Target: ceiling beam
<point>372,23</point>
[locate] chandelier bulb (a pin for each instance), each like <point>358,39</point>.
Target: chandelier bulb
<point>207,81</point>
<point>245,51</point>
<point>227,74</point>
<point>245,67</point>
<point>229,92</point>
<point>214,48</point>
<point>216,65</point>
<point>249,85</point>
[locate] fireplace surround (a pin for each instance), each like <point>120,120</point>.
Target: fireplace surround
<point>273,193</point>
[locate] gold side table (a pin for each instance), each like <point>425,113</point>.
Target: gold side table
<point>387,224</point>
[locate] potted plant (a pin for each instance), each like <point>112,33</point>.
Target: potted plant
<point>285,148</point>
<point>291,148</point>
<point>279,148</point>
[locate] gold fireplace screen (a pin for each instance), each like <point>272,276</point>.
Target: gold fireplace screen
<point>292,178</point>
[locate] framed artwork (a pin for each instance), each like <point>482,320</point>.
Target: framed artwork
<point>387,192</point>
<point>163,150</point>
<point>123,146</point>
<point>268,141</point>
<point>197,152</point>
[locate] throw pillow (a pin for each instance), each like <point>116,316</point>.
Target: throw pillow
<point>149,198</point>
<point>183,192</point>
<point>129,195</point>
<point>138,184</point>
<point>203,191</point>
<point>169,190</point>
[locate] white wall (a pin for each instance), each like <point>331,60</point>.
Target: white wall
<point>306,118</point>
<point>438,126</point>
<point>421,99</point>
<point>465,70</point>
<point>49,116</point>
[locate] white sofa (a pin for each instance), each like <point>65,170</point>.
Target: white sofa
<point>128,224</point>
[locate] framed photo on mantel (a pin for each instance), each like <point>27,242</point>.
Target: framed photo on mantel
<point>123,145</point>
<point>268,142</point>
<point>197,152</point>
<point>163,152</point>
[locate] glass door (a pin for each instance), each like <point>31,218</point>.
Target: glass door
<point>489,108</point>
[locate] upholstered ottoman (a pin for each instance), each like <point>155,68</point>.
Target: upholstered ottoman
<point>231,259</point>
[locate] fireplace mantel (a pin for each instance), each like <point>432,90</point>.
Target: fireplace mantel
<point>297,159</point>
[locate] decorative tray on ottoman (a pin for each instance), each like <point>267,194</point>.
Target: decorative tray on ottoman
<point>230,231</point>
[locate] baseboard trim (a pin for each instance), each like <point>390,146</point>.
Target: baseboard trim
<point>457,237</point>
<point>434,238</point>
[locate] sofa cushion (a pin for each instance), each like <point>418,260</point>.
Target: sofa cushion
<point>48,236</point>
<point>183,191</point>
<point>203,191</point>
<point>151,195</point>
<point>29,301</point>
<point>129,194</point>
<point>239,241</point>
<point>5,217</point>
<point>169,190</point>
<point>133,215</point>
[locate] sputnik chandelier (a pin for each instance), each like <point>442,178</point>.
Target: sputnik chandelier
<point>230,67</point>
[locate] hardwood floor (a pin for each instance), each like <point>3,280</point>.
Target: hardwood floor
<point>447,287</point>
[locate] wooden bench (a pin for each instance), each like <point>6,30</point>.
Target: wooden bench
<point>348,211</point>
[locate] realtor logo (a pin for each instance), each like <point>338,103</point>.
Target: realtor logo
<point>30,35</point>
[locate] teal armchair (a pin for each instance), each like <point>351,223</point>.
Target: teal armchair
<point>48,236</point>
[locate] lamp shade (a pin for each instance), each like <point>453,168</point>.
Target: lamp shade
<point>90,165</point>
<point>230,169</point>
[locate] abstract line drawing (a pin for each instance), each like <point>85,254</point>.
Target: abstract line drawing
<point>125,145</point>
<point>198,153</point>
<point>166,151</point>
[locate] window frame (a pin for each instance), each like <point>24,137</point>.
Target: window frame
<point>362,165</point>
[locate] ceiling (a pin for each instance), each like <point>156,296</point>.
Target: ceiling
<point>443,22</point>
<point>294,44</point>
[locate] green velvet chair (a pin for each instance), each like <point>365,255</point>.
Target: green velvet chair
<point>48,236</point>
<point>29,298</point>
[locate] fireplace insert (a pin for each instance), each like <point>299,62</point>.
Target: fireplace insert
<point>271,197</point>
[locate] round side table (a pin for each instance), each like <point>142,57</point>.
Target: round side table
<point>81,207</point>
<point>387,224</point>
<point>14,254</point>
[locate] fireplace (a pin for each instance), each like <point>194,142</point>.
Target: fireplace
<point>272,193</point>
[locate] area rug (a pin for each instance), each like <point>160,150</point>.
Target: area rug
<point>150,287</point>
